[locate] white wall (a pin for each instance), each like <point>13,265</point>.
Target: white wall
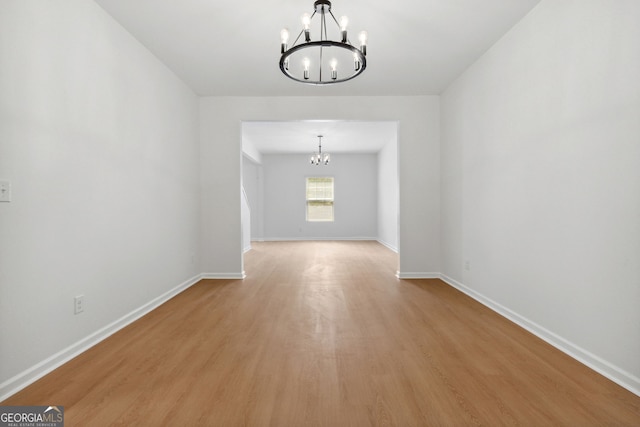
<point>100,143</point>
<point>388,195</point>
<point>250,151</point>
<point>355,198</point>
<point>252,184</point>
<point>245,213</point>
<point>419,171</point>
<point>541,180</point>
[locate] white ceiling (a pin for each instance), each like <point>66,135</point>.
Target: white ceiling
<point>302,136</point>
<point>416,47</point>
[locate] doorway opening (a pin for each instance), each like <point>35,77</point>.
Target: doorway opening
<point>363,167</point>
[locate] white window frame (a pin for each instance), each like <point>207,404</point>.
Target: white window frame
<point>324,200</point>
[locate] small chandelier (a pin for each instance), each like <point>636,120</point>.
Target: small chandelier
<point>322,61</point>
<point>319,156</point>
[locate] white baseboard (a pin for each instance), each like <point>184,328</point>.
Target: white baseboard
<point>615,374</point>
<point>387,245</point>
<point>303,239</point>
<point>223,275</point>
<point>34,373</point>
<point>413,275</point>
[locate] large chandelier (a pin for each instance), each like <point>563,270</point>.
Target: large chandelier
<point>320,157</point>
<point>322,61</point>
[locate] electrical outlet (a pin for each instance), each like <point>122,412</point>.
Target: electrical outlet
<point>78,304</point>
<point>5,191</point>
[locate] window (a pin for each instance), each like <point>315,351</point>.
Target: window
<point>320,199</point>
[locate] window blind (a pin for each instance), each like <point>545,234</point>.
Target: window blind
<point>319,199</point>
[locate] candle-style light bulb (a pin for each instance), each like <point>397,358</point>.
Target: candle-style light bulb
<point>306,63</point>
<point>363,42</point>
<point>344,21</point>
<point>284,39</point>
<point>284,35</point>
<point>334,68</point>
<point>306,22</point>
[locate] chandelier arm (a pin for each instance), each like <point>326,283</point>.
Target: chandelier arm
<point>324,27</point>
<point>320,66</point>
<point>338,24</point>
<point>334,18</point>
<point>297,38</point>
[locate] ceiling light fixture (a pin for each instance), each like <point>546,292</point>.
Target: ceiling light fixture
<point>320,157</point>
<point>322,61</point>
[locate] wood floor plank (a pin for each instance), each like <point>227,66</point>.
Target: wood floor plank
<point>324,334</point>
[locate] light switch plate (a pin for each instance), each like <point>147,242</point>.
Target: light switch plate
<point>5,191</point>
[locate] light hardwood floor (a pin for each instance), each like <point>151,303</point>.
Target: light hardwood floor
<point>323,333</point>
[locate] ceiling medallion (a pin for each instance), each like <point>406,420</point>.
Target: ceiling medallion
<point>322,61</point>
